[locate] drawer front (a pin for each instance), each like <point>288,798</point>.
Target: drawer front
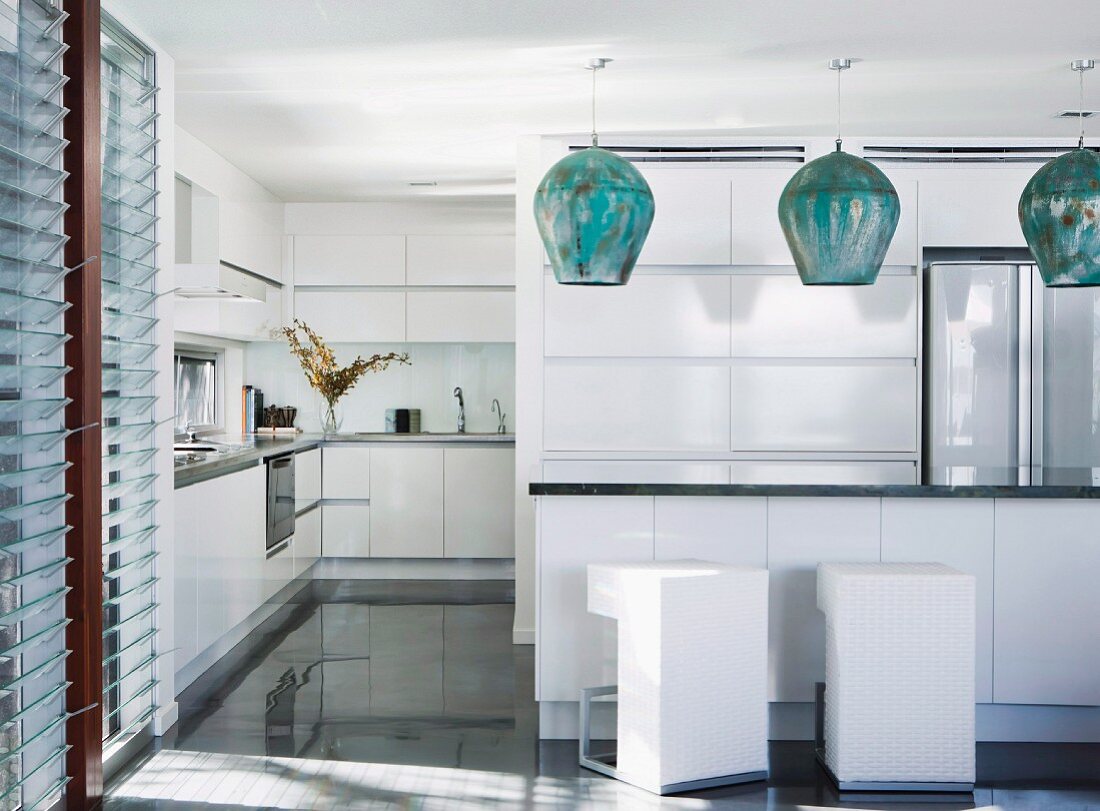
<point>345,473</point>
<point>307,476</point>
<point>345,531</point>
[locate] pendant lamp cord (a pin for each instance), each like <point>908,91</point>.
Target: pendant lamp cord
<point>1081,108</point>
<point>595,136</point>
<point>838,138</point>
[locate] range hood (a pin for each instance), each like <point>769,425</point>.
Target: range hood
<point>219,280</point>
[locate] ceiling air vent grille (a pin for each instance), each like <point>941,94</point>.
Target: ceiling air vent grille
<point>965,154</point>
<point>707,154</point>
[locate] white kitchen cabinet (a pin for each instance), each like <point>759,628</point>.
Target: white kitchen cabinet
<point>345,472</point>
<point>353,315</point>
<point>406,502</point>
<point>1046,619</point>
<point>479,506</point>
<point>461,259</point>
<point>345,530</point>
<point>824,407</point>
<point>635,472</point>
<point>250,234</point>
<point>238,320</point>
<point>623,406</point>
<point>656,315</point>
<point>349,260</point>
<point>722,530</point>
<point>307,540</point>
<point>461,316</point>
<point>576,649</point>
<point>757,238</point>
<point>778,316</point>
<point>278,569</point>
<point>959,534</point>
<point>803,532</point>
<point>961,213</point>
<point>904,246</point>
<point>772,471</point>
<point>307,477</point>
<point>691,223</point>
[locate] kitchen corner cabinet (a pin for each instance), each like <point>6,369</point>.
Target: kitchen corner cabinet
<point>406,502</point>
<point>478,510</point>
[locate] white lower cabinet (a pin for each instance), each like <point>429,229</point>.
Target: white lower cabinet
<point>406,502</point>
<point>345,472</point>
<point>345,531</point>
<point>803,532</point>
<point>307,540</point>
<point>1046,617</point>
<point>479,516</point>
<point>957,532</point>
<point>278,570</point>
<point>722,530</point>
<point>307,476</point>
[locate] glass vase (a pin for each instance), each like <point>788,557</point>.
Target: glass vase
<point>332,416</point>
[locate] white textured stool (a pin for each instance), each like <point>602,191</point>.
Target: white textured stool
<point>693,664</point>
<point>899,670</point>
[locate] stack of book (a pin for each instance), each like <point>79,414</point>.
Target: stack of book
<point>252,409</point>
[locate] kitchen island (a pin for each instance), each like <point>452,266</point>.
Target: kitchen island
<point>1034,550</point>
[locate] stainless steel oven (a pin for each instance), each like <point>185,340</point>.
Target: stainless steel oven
<point>280,499</point>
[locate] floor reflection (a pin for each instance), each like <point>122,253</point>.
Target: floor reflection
<point>407,694</point>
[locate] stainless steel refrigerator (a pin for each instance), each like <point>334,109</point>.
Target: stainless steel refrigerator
<point>1011,376</point>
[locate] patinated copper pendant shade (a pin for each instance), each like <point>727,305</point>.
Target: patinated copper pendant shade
<point>593,211</point>
<point>1060,213</point>
<point>838,214</point>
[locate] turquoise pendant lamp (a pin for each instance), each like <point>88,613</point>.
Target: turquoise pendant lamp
<point>838,214</point>
<point>593,211</point>
<point>1060,212</point>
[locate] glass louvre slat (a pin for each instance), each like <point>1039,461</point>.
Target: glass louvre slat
<point>31,408</point>
<point>35,673</point>
<point>118,379</point>
<point>126,326</point>
<point>146,688</point>
<point>121,406</point>
<point>34,607</point>
<point>113,462</point>
<point>26,242</point>
<point>48,797</point>
<point>144,664</point>
<point>138,589</point>
<point>41,474</point>
<point>137,615</point>
<point>127,177</point>
<point>117,434</point>
<point>144,639</point>
<point>127,353</point>
<point>31,377</point>
<point>26,206</point>
<point>52,758</point>
<point>124,487</point>
<point>52,694</point>
<point>42,571</point>
<point>132,247</point>
<point>123,271</point>
<point>28,86</point>
<point>33,105</point>
<point>44,506</point>
<point>129,136</point>
<point>27,542</point>
<point>35,144</point>
<point>49,728</point>
<point>34,29</point>
<point>29,309</point>
<point>119,517</point>
<point>29,278</point>
<point>33,641</point>
<point>29,343</point>
<point>29,173</point>
<point>115,572</point>
<point>129,540</point>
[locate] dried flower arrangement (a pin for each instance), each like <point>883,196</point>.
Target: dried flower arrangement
<point>330,381</point>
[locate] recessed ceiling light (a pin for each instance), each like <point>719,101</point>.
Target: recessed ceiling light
<point>423,183</point>
<point>1076,114</point>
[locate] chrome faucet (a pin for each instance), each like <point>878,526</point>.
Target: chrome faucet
<point>500,413</point>
<point>461,410</point>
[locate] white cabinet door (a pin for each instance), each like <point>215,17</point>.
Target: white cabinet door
<point>462,316</point>
<point>307,477</point>
<point>778,316</point>
<point>479,504</point>
<point>832,407</point>
<point>1046,619</point>
<point>345,472</point>
<point>964,213</point>
<point>278,570</point>
<point>345,531</point>
<point>803,472</point>
<point>353,315</point>
<point>959,534</point>
<point>576,649</point>
<point>691,224</point>
<point>349,260</point>
<point>622,406</point>
<point>803,532</point>
<point>250,235</point>
<point>307,540</point>
<point>722,530</point>
<point>904,246</point>
<point>192,519</point>
<point>461,260</point>
<point>635,472</point>
<point>406,503</point>
<point>653,316</point>
<point>756,235</point>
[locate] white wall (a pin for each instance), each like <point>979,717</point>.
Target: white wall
<point>484,371</point>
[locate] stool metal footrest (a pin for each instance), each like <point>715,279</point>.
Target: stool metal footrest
<point>602,763</point>
<point>870,785</point>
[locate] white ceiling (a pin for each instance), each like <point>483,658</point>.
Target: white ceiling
<point>353,99</point>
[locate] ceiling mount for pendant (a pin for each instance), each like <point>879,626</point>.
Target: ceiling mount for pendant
<point>839,213</point>
<point>593,210</point>
<point>1060,208</point>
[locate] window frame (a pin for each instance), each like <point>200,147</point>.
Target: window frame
<point>218,358</point>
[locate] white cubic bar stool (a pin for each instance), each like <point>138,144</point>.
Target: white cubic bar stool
<point>692,672</point>
<point>899,676</point>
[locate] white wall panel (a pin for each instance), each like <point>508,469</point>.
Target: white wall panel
<point>803,532</point>
<point>691,224</point>
<point>653,316</point>
<point>957,533</point>
<point>349,260</point>
<point>462,316</point>
<point>905,244</point>
<point>824,407</point>
<point>757,237</point>
<point>972,212</point>
<point>636,407</point>
<point>344,316</point>
<point>809,472</point>
<point>722,530</point>
<point>461,260</point>
<point>635,472</point>
<point>778,316</point>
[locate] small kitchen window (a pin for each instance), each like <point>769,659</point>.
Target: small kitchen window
<point>196,376</point>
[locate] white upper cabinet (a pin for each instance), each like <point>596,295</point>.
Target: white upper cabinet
<point>462,316</point>
<point>903,247</point>
<point>756,235</point>
<point>461,260</point>
<point>974,212</point>
<point>356,315</point>
<point>653,316</point>
<point>349,260</point>
<point>778,316</point>
<point>691,225</point>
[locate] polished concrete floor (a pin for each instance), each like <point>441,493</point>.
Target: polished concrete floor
<point>410,695</point>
